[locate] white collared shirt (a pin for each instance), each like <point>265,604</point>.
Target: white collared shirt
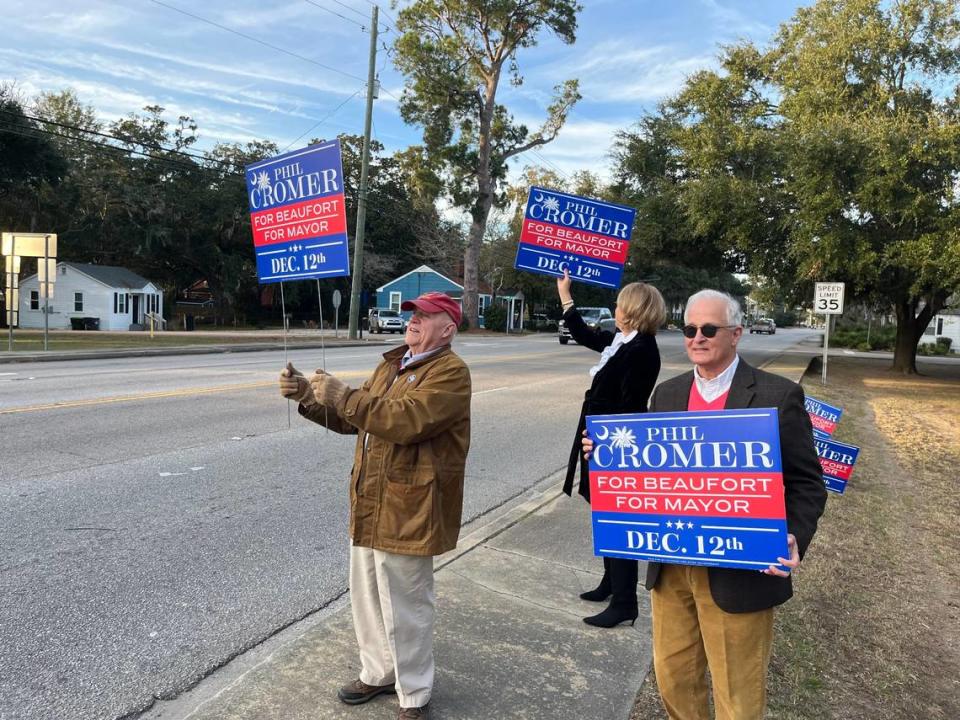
<point>619,340</point>
<point>409,357</point>
<point>711,389</point>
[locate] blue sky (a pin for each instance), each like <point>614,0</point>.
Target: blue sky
<point>120,55</point>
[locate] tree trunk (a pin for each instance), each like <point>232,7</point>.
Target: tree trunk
<point>910,328</point>
<point>905,346</point>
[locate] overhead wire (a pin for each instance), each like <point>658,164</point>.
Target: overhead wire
<point>321,121</point>
<point>258,41</point>
<point>334,12</point>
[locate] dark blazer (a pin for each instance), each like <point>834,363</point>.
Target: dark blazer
<point>739,591</point>
<point>623,385</point>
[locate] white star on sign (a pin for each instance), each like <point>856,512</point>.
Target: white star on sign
<point>669,524</point>
<point>689,526</point>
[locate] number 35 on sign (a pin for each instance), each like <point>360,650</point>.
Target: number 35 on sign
<point>828,298</point>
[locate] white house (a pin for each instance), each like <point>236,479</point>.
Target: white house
<point>944,325</point>
<point>118,298</point>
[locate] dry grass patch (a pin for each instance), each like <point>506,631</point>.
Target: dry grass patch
<point>873,631</point>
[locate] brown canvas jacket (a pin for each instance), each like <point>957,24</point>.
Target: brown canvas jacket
<point>413,433</point>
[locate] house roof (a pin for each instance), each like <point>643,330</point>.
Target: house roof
<point>421,269</point>
<point>109,275</point>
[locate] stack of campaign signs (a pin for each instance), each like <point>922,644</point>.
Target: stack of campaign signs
<point>836,458</point>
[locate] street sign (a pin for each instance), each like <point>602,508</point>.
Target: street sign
<point>336,299</point>
<point>297,214</point>
<point>29,244</point>
<point>587,237</point>
<point>696,488</point>
<point>828,298</point>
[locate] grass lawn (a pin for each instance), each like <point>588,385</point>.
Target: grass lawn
<point>873,630</point>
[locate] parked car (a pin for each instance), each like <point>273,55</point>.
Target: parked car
<point>763,325</point>
<point>596,318</point>
<point>383,320</point>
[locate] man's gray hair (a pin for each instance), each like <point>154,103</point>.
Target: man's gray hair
<point>734,312</point>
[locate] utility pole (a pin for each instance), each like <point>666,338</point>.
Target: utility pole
<point>357,280</point>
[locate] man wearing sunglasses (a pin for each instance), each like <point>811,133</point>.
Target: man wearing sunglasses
<point>718,617</point>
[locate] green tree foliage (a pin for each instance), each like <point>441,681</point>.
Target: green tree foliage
<point>831,155</point>
<point>134,193</point>
<point>455,53</point>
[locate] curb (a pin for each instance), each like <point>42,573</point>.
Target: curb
<point>10,358</point>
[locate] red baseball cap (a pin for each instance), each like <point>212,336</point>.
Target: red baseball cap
<point>435,302</point>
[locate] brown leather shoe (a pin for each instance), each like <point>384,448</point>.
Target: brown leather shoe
<point>419,713</point>
<point>358,692</point>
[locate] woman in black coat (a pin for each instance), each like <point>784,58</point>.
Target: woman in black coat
<point>622,383</point>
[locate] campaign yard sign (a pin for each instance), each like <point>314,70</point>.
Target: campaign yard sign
<point>588,237</point>
<point>297,214</point>
<point>695,488</point>
<point>837,460</point>
<point>823,417</point>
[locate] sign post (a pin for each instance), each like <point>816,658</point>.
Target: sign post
<point>827,301</point>
<point>38,245</point>
<point>336,313</point>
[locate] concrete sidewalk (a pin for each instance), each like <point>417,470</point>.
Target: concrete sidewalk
<point>510,641</point>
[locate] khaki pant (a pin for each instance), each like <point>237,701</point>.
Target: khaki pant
<point>690,632</point>
<point>393,608</point>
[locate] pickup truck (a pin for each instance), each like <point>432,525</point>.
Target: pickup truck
<point>763,325</point>
<point>596,318</point>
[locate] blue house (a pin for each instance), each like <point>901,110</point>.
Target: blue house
<point>413,284</point>
<point>426,279</point>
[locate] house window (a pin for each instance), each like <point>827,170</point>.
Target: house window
<point>395,301</point>
<point>34,299</point>
<point>78,302</point>
<point>121,303</point>
<point>939,326</point>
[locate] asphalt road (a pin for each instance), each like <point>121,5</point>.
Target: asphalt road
<point>158,516</point>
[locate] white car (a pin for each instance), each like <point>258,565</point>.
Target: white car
<point>382,321</point>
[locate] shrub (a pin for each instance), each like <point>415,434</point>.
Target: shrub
<point>495,318</point>
<point>864,346</point>
<point>945,343</point>
<point>785,319</point>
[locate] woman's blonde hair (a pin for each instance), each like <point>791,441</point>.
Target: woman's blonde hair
<point>642,307</point>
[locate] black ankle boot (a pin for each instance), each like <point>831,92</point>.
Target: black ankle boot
<point>612,616</point>
<point>599,594</point>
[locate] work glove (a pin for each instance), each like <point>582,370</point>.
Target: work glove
<point>327,389</point>
<point>294,386</point>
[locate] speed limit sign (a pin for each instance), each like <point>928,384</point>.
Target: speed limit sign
<point>828,299</point>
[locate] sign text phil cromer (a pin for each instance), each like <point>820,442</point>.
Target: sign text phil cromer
<point>587,237</point>
<point>702,488</point>
<point>297,214</point>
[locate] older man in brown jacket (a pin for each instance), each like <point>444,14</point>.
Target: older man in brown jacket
<point>412,420</point>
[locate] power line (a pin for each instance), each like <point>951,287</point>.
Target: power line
<point>32,133</point>
<point>352,9</point>
<point>369,2</point>
<point>258,40</point>
<point>119,138</point>
<point>334,12</point>
<point>321,121</point>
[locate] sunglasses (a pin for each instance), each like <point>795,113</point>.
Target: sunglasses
<point>708,330</point>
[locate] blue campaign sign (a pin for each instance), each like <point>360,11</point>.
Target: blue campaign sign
<point>694,488</point>
<point>836,460</point>
<point>297,214</point>
<point>823,417</point>
<point>588,237</point>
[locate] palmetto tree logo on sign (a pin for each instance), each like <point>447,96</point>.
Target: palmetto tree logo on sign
<point>623,438</point>
<point>261,180</point>
<point>548,202</point>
